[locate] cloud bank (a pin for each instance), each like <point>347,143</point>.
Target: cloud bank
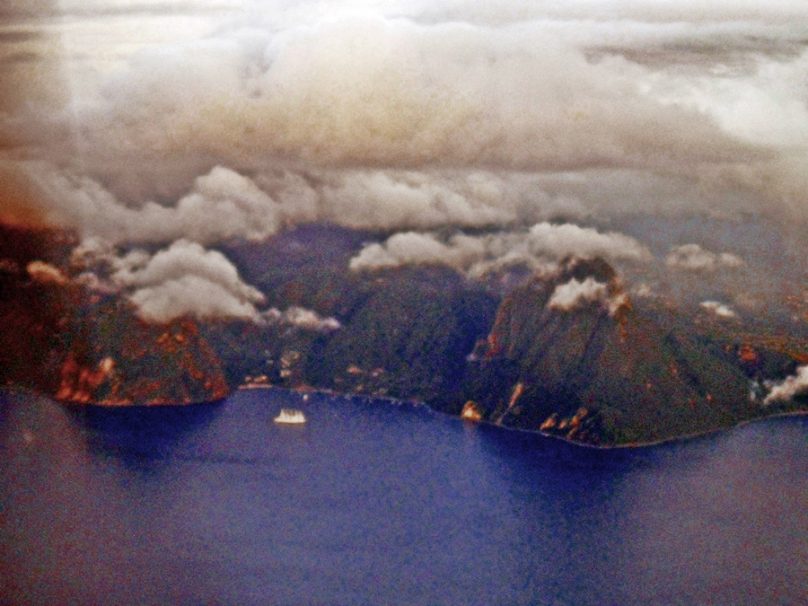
<point>392,86</point>
<point>538,249</point>
<point>221,204</point>
<point>374,91</point>
<point>481,136</point>
<point>184,279</point>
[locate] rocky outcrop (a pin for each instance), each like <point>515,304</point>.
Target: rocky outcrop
<point>149,365</point>
<point>471,412</point>
<point>76,346</point>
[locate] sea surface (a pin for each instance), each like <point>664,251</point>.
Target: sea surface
<point>379,503</point>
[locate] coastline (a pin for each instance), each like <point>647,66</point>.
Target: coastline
<point>17,389</point>
<point>626,445</point>
<point>678,438</point>
<point>22,390</point>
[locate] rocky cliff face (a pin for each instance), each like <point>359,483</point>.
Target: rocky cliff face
<point>64,341</point>
<point>142,364</point>
<point>592,367</point>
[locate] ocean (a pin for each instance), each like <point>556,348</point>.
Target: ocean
<point>380,503</point>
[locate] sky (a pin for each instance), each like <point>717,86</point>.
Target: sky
<point>669,136</point>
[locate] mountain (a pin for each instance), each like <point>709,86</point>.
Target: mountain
<point>568,352</point>
<point>77,346</point>
<point>602,370</point>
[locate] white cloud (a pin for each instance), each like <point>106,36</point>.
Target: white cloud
<point>718,309</point>
<point>414,84</point>
<point>185,279</point>
<point>790,387</point>
<point>300,317</point>
<point>693,257</point>
<point>569,239</point>
<point>691,12</point>
<point>643,290</point>
<point>408,248</point>
<point>190,295</point>
<point>187,258</point>
<point>576,294</point>
<point>417,200</point>
<point>537,248</point>
<point>365,90</point>
<point>221,204</point>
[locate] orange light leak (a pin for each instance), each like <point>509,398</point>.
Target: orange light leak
<point>19,200</point>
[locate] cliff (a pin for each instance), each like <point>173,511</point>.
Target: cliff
<point>76,346</point>
<point>602,370</point>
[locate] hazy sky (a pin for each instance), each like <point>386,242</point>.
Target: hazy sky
<point>158,121</point>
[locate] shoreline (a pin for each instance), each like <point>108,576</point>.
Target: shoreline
<point>662,441</point>
<point>16,389</point>
<point>626,445</point>
<point>22,390</point>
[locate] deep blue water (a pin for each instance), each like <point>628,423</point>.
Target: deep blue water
<point>376,503</point>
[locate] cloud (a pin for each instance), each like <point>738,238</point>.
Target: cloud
<point>643,290</point>
<point>185,279</point>
<point>417,200</point>
<point>182,279</point>
<point>92,281</point>
<point>409,116</point>
<point>300,317</point>
<point>790,387</point>
<point>692,257</point>
<point>224,204</point>
<point>221,204</point>
<point>545,87</point>
<point>691,12</point>
<point>363,90</point>
<point>537,248</point>
<point>190,295</point>
<point>237,119</point>
<point>718,309</point>
<point>569,239</point>
<point>408,248</point>
<point>576,294</point>
<point>186,258</point>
